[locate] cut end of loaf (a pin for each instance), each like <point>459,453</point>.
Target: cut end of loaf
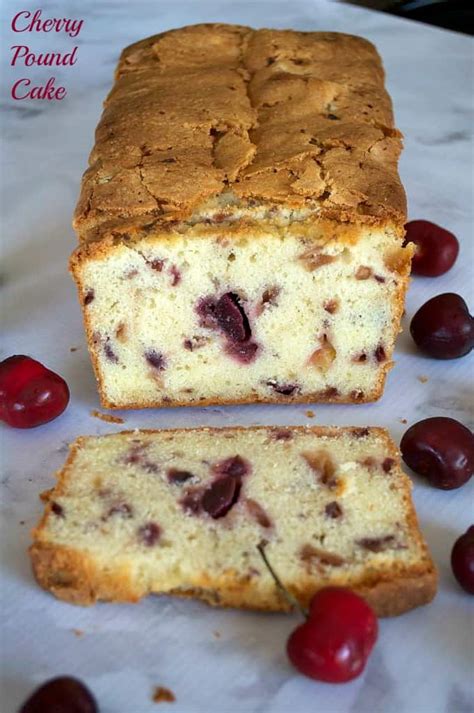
<point>182,512</point>
<point>226,315</point>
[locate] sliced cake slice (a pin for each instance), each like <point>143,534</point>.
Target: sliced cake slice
<point>183,512</point>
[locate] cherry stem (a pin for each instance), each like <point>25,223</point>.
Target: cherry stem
<point>289,597</point>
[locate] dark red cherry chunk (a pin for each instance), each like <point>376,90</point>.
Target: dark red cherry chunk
<point>443,327</point>
<point>243,352</point>
<point>436,248</point>
<point>283,389</point>
<point>231,318</point>
<point>149,534</point>
<point>462,560</point>
<point>236,466</point>
<point>228,315</point>
<point>61,695</point>
<point>334,643</point>
<point>206,310</point>
<point>155,359</point>
<point>177,476</point>
<point>440,449</point>
<point>30,394</point>
<point>220,496</point>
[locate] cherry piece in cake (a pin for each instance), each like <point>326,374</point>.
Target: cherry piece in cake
<point>221,496</point>
<point>231,318</point>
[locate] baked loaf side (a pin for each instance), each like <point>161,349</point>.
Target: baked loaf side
<point>273,119</point>
<point>182,512</point>
<point>241,222</point>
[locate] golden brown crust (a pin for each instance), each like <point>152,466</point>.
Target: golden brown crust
<point>75,578</point>
<point>79,579</point>
<point>282,117</point>
<point>394,598</point>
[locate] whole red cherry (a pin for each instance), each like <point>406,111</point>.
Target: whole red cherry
<point>440,449</point>
<point>30,394</point>
<point>462,560</point>
<point>443,327</point>
<point>61,695</point>
<point>334,643</point>
<point>436,248</point>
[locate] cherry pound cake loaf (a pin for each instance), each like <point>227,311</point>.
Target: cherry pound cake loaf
<point>183,512</point>
<point>241,222</point>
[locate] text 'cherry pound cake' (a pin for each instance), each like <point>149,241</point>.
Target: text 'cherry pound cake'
<point>241,221</point>
<point>183,512</point>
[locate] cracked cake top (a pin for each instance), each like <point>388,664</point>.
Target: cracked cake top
<point>222,120</point>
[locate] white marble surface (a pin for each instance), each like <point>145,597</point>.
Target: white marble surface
<point>423,661</point>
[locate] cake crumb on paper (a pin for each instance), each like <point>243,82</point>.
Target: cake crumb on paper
<point>73,349</point>
<point>78,633</point>
<point>403,420</point>
<point>422,378</point>
<point>45,495</point>
<point>163,695</point>
<point>216,634</point>
<point>107,417</point>
<point>309,413</point>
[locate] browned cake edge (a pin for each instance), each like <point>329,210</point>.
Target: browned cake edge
<point>74,576</point>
